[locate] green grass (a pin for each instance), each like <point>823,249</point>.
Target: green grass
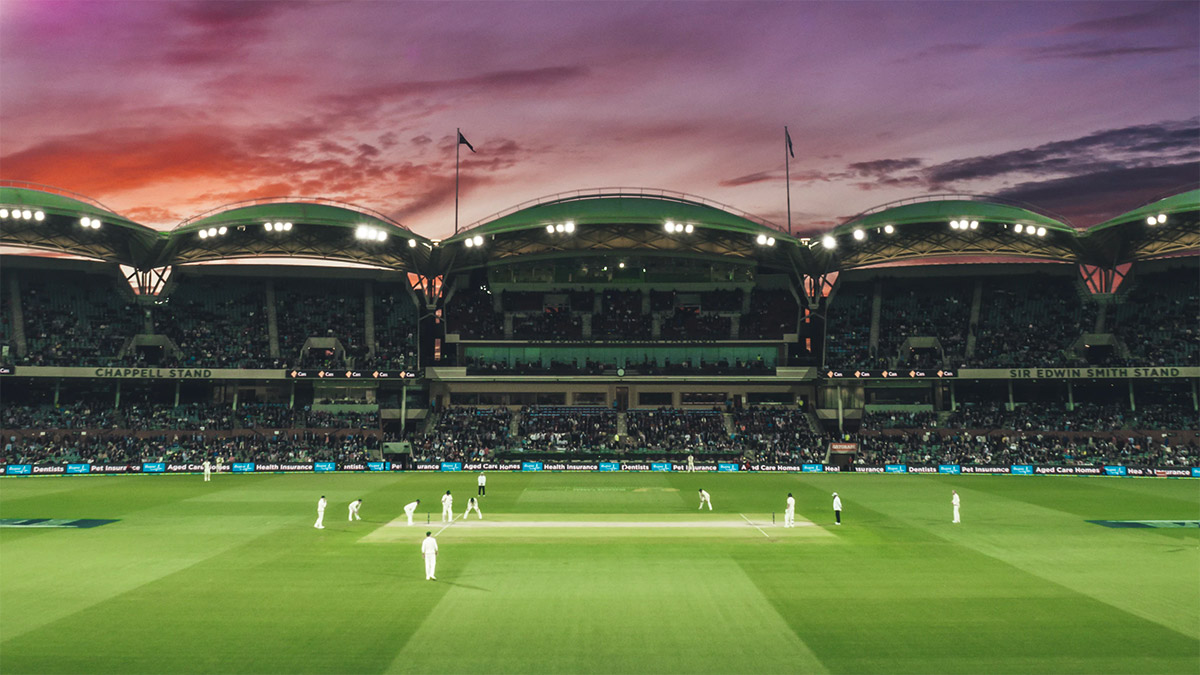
<point>230,576</point>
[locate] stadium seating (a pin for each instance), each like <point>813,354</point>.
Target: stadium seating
<point>217,322</point>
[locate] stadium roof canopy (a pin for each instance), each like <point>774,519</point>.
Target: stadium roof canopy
<point>944,225</point>
<point>599,223</point>
<point>621,221</point>
<point>1162,227</point>
<point>295,227</point>
<point>59,221</point>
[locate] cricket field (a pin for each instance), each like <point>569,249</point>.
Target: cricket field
<point>600,573</point>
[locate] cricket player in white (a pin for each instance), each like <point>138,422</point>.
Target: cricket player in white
<point>789,513</point>
<point>207,471</point>
<point>954,501</point>
<point>691,463</point>
<point>837,508</point>
<point>354,506</point>
<point>472,503</point>
<point>447,507</point>
<point>409,508</point>
<point>704,499</point>
<point>482,485</point>
<point>320,513</point>
<point>429,553</point>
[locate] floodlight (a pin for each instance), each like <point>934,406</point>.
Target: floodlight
<point>95,223</point>
<point>1151,220</point>
<point>974,224</point>
<point>1041,232</point>
<point>770,241</point>
<point>84,221</point>
<point>688,228</point>
<point>3,213</point>
<point>761,240</point>
<point>859,235</point>
<point>550,229</point>
<point>469,242</point>
<point>621,265</point>
<point>204,234</point>
<point>888,229</point>
<point>478,240</point>
<point>26,214</point>
<point>828,241</point>
<point>669,226</point>
<point>412,243</point>
<point>381,235</point>
<point>559,227</point>
<point>1162,218</point>
<point>222,230</point>
<point>1018,227</point>
<point>287,227</point>
<point>39,216</point>
<point>569,226</point>
<point>268,226</point>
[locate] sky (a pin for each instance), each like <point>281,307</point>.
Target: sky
<point>162,110</point>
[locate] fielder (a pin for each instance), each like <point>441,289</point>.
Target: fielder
<point>789,513</point>
<point>447,507</point>
<point>409,508</point>
<point>207,471</point>
<point>482,485</point>
<point>704,499</point>
<point>837,509</point>
<point>320,513</point>
<point>429,552</point>
<point>472,503</point>
<point>691,463</point>
<point>954,501</point>
<point>354,506</point>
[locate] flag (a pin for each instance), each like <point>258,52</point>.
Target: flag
<point>462,140</point>
<point>786,136</point>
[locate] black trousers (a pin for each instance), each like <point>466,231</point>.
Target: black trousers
<point>838,515</point>
<point>482,490</point>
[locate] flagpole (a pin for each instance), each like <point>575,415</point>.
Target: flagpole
<point>457,136</point>
<point>787,172</point>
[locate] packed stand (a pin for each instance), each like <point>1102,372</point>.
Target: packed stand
<point>848,330</point>
<point>899,420</point>
<point>189,416</point>
<point>1085,417</point>
<point>217,323</point>
<point>673,431</point>
<point>777,436</point>
<point>772,314</point>
<point>551,323</point>
<point>465,433</point>
<point>1029,321</point>
<point>689,323</point>
<point>1157,319</point>
<point>76,319</point>
<point>395,331</point>
<point>325,308</point>
<point>927,448</point>
<point>561,429</point>
<point>621,317</point>
<point>471,314</point>
<point>937,308</point>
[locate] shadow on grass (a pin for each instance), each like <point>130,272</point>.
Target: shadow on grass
<point>473,588</point>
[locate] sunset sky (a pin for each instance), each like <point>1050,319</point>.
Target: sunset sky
<point>163,109</point>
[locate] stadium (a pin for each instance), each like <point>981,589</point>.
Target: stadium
<point>601,355</point>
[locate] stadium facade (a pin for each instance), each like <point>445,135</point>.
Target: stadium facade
<point>599,324</point>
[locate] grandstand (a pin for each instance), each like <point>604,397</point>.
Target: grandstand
<point>606,324</point>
